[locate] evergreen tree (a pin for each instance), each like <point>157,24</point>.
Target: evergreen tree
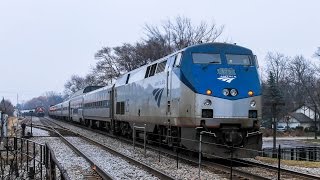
<point>273,89</point>
<point>272,98</point>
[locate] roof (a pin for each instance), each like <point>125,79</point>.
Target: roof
<point>84,90</point>
<point>302,118</point>
<point>310,106</point>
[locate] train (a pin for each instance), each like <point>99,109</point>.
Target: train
<point>39,111</point>
<point>209,90</point>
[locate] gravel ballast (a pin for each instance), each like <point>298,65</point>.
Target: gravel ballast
<point>166,164</point>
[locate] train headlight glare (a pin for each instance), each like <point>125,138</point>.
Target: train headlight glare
<point>207,102</point>
<point>233,92</point>
<point>253,103</point>
<point>208,92</point>
<point>250,93</point>
<point>225,92</point>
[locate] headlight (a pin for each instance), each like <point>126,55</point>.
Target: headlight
<point>225,92</point>
<point>207,102</point>
<point>250,93</point>
<point>253,103</point>
<point>233,92</point>
<point>208,92</point>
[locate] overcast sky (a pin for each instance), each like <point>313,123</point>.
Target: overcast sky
<point>44,42</point>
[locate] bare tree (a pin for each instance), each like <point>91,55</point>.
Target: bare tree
<point>277,68</point>
<point>6,107</point>
<point>118,60</point>
<point>161,41</point>
<point>91,80</point>
<point>50,98</point>
<point>277,64</point>
<point>131,57</point>
<point>303,73</point>
<point>181,33</point>
<point>153,49</point>
<point>127,57</point>
<point>107,67</point>
<point>74,84</point>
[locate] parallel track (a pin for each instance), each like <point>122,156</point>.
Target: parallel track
<point>157,173</point>
<point>214,167</point>
<point>293,174</point>
<point>103,174</point>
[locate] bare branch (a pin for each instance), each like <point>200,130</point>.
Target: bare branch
<point>180,32</point>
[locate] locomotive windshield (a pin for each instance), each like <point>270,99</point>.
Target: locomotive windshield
<point>234,59</point>
<point>205,58</point>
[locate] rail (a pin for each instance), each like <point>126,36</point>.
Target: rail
<point>23,158</point>
<point>103,174</point>
<point>159,146</point>
<point>156,172</point>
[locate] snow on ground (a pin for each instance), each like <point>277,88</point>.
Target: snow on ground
<point>166,164</point>
<point>75,166</point>
<point>36,131</point>
<point>117,167</point>
<point>312,171</point>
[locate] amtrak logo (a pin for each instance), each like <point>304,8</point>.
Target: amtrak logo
<point>227,79</point>
<point>157,93</point>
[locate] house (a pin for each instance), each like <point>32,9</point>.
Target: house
<point>308,111</point>
<point>302,116</point>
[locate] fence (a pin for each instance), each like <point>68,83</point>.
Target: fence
<point>21,158</point>
<point>310,153</point>
<point>299,153</point>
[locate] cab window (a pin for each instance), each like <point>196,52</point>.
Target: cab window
<point>206,58</point>
<point>234,59</point>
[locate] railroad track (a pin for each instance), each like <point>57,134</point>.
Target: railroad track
<point>220,168</point>
<point>217,168</point>
<point>132,161</point>
<point>102,174</point>
<point>284,173</point>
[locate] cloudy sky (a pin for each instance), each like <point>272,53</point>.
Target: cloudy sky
<point>44,42</point>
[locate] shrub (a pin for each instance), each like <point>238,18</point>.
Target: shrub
<point>299,128</point>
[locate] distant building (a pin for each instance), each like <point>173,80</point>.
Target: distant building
<point>27,112</point>
<point>302,116</point>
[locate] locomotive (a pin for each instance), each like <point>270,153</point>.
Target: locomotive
<point>39,111</point>
<point>211,89</point>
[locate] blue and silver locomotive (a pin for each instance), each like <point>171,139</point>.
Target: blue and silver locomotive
<point>211,89</point>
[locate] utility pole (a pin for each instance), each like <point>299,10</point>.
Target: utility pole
<point>31,112</point>
<point>274,122</point>
<point>315,121</point>
<point>274,106</point>
<point>2,119</point>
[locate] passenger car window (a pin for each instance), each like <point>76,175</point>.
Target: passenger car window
<point>128,76</point>
<point>178,59</point>
<point>153,70</point>
<point>161,67</point>
<point>147,72</point>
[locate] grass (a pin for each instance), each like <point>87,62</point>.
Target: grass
<point>313,141</point>
<point>306,164</point>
